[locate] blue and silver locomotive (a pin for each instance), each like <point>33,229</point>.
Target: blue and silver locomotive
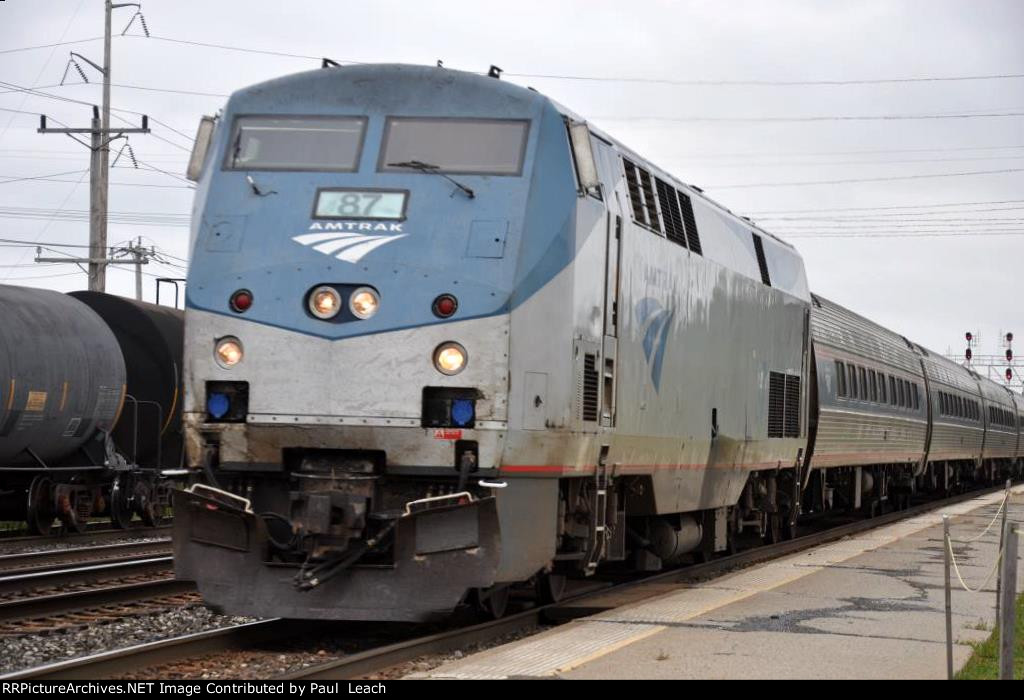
<point>445,338</point>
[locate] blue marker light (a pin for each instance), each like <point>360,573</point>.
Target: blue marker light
<point>218,405</point>
<point>462,412</point>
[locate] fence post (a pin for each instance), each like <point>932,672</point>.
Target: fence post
<point>946,544</point>
<point>1008,607</point>
<point>1002,535</point>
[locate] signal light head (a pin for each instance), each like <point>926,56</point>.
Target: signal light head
<point>445,305</point>
<point>1009,355</point>
<point>969,336</point>
<point>1009,337</point>
<point>1009,374</point>
<point>241,301</point>
<point>969,354</point>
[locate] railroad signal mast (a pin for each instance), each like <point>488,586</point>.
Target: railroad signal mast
<point>1003,368</point>
<point>101,136</point>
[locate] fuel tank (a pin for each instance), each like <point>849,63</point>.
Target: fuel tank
<point>62,377</point>
<point>151,339</point>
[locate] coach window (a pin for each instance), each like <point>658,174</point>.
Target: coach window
<point>296,143</point>
<point>902,393</point>
<point>873,385</point>
<point>893,398</point>
<point>917,398</point>
<point>840,379</point>
<point>458,146</point>
<point>881,389</point>
<point>863,383</point>
<point>853,381</point>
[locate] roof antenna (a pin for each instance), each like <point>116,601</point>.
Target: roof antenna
<point>495,72</point>
<point>328,63</point>
<point>440,63</point>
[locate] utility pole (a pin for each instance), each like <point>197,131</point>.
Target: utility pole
<point>99,161</point>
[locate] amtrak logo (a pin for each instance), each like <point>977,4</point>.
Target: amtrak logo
<point>657,320</point>
<point>345,242</point>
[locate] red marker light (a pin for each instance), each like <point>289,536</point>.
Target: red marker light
<point>445,305</point>
<point>241,301</point>
<point>1009,374</point>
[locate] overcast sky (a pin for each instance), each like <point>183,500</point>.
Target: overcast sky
<point>740,142</point>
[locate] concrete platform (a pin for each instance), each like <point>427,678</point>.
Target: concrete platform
<point>868,606</point>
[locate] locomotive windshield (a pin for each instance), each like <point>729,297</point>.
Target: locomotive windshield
<point>297,143</point>
<point>466,146</point>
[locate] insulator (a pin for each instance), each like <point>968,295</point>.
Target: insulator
<point>131,154</point>
<point>142,19</point>
<point>79,69</point>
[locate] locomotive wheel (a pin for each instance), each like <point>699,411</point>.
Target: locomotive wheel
<point>550,588</point>
<point>493,602</point>
<point>39,515</point>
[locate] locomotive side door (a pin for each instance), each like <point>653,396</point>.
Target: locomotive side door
<point>607,177</point>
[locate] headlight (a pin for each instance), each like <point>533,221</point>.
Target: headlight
<point>228,352</point>
<point>324,302</point>
<point>363,303</point>
<point>450,358</point>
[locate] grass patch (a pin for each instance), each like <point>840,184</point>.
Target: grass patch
<point>984,662</point>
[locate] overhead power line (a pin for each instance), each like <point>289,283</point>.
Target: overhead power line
<point>625,79</point>
<point>888,208</point>
<point>821,118</point>
<point>864,179</point>
<point>50,46</point>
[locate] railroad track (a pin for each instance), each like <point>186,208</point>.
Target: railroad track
<point>52,559</point>
<point>75,587</point>
<point>92,534</point>
<point>43,573</point>
<point>189,651</point>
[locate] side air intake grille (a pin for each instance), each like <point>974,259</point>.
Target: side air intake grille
<point>792,427</point>
<point>692,237</point>
<point>671,215</point>
<point>783,405</point>
<point>590,383</point>
<point>635,198</point>
<point>652,210</point>
<point>762,262</point>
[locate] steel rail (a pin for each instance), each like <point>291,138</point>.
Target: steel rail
<point>61,603</point>
<point>106,571</point>
<point>50,559</point>
<point>111,663</point>
<point>92,535</point>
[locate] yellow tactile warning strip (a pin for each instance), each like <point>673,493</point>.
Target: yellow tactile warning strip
<point>580,642</point>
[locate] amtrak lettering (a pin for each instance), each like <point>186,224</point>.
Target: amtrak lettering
<point>354,226</point>
<point>346,245</point>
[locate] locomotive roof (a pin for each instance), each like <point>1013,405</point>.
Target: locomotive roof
<point>438,77</point>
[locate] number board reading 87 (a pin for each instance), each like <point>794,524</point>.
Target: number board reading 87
<point>360,204</point>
